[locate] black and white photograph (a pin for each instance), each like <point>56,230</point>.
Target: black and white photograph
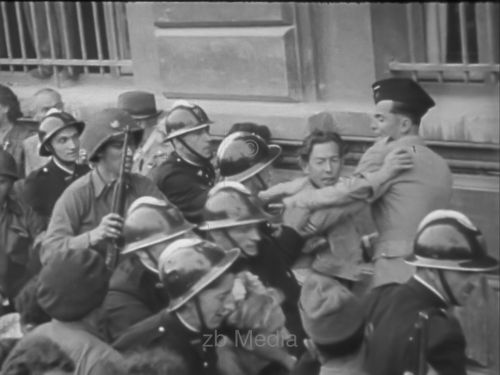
<point>249,188</point>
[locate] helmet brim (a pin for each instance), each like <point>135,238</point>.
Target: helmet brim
<point>274,153</point>
<point>43,151</point>
<point>134,132</point>
<point>215,273</point>
<point>154,240</point>
<point>179,133</point>
<point>210,225</point>
<point>484,264</point>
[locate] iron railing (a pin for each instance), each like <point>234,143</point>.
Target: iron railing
<point>433,55</point>
<point>90,37</point>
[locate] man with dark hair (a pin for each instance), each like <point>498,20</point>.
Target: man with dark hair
<point>59,134</point>
<point>188,174</point>
<point>423,182</point>
<point>334,242</point>
<point>19,227</point>
<point>82,216</point>
<point>413,324</point>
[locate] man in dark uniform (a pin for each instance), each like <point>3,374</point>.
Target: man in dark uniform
<point>134,294</point>
<point>450,255</point>
<point>234,218</point>
<point>19,226</point>
<point>187,175</point>
<point>59,135</point>
<point>196,275</point>
<point>82,217</point>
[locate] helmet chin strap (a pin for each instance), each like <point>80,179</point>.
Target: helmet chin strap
<point>69,164</point>
<point>201,317</point>
<point>193,151</point>
<point>261,181</point>
<point>233,242</point>
<point>447,289</point>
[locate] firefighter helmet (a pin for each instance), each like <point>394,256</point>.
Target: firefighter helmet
<point>184,118</point>
<point>54,121</point>
<point>104,125</point>
<point>231,204</point>
<point>151,221</point>
<point>8,165</point>
<point>448,240</point>
<point>188,266</point>
<point>242,155</point>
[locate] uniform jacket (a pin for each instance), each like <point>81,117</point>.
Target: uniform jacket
<point>19,226</point>
<point>43,187</point>
<point>184,184</point>
<point>92,356</point>
<point>166,330</point>
<point>82,206</point>
<point>133,296</point>
<point>393,310</point>
<point>397,205</point>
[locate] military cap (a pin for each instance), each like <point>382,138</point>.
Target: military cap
<point>141,105</point>
<point>405,91</point>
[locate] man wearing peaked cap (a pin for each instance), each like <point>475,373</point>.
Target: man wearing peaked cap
<point>153,149</point>
<point>450,255</point>
<point>71,289</point>
<point>59,134</point>
<point>333,319</point>
<point>418,181</point>
<point>82,216</point>
<point>187,175</point>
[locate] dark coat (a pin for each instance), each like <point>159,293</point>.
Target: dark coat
<point>133,296</point>
<point>272,265</point>
<point>43,187</point>
<point>165,330</point>
<point>185,185</point>
<point>393,310</point>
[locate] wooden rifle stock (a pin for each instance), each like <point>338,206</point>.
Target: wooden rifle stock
<point>118,207</point>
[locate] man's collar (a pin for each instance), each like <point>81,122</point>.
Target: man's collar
<point>59,165</point>
<point>430,287</point>
<point>186,324</point>
<point>98,182</point>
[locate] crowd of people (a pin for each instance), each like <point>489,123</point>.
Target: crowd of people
<point>129,245</point>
